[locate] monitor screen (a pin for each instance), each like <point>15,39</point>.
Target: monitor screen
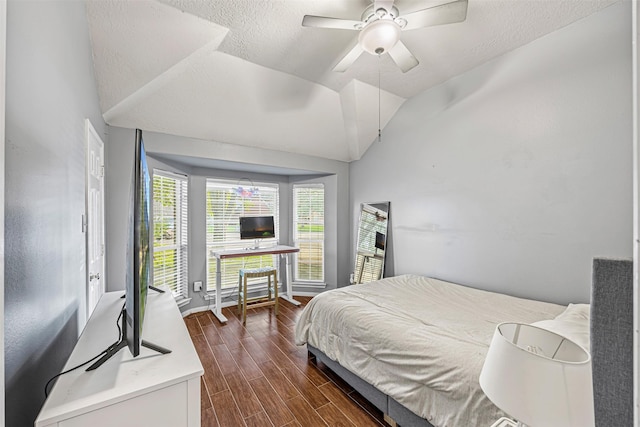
<point>380,240</point>
<point>257,227</point>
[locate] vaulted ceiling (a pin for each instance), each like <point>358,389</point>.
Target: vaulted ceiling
<point>246,72</point>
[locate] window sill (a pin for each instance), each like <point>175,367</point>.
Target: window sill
<point>181,302</point>
<point>317,285</point>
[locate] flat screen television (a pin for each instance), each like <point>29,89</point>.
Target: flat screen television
<point>138,261</point>
<point>379,240</point>
<point>257,227</point>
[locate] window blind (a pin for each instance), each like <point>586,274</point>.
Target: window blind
<point>308,232</point>
<point>170,232</point>
<point>227,201</point>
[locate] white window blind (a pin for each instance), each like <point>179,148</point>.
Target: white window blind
<point>308,232</point>
<point>368,265</point>
<point>227,201</point>
<point>170,231</point>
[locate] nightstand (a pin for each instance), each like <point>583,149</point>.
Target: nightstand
<point>505,422</point>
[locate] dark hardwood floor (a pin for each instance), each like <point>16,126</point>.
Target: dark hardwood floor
<point>256,375</point>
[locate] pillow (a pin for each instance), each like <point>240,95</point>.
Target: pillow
<point>575,312</point>
<point>572,323</point>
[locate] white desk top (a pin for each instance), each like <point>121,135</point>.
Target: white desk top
<point>123,377</point>
<point>236,253</point>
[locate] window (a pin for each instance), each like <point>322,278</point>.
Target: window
<point>308,232</point>
<point>170,232</point>
<point>227,201</point>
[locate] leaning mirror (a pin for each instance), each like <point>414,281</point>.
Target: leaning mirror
<point>372,242</point>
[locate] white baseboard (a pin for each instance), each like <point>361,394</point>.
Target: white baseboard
<point>233,303</point>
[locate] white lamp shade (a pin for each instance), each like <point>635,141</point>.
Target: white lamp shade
<point>538,377</point>
<point>379,36</point>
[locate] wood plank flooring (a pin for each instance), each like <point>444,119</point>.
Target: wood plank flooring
<point>256,376</point>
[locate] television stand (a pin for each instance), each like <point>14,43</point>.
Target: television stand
<point>150,287</point>
<point>128,391</point>
<point>116,347</point>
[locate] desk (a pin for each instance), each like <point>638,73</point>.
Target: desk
<point>128,391</point>
<point>281,250</point>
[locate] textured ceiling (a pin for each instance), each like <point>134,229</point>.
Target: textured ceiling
<point>246,72</point>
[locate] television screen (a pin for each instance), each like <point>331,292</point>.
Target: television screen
<point>257,227</point>
<point>380,240</point>
<point>138,285</point>
<point>138,262</point>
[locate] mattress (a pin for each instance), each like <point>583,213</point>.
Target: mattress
<point>419,340</point>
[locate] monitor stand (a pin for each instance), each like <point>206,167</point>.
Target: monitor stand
<point>116,347</point>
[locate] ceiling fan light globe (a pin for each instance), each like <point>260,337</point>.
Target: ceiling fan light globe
<point>379,37</point>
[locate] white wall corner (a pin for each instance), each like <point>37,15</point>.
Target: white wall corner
<point>636,215</point>
<point>348,103</point>
<point>375,108</point>
<point>3,44</point>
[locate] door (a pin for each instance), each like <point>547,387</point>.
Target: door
<point>95,217</point>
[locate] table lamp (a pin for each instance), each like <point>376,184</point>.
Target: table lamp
<point>538,377</point>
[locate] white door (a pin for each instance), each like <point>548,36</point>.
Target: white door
<point>95,217</point>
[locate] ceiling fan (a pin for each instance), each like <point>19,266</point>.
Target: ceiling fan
<point>380,27</point>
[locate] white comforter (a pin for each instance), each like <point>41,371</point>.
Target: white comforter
<point>422,341</point>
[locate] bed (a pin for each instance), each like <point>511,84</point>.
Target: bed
<point>414,346</point>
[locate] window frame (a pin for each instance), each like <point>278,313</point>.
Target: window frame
<point>230,266</point>
<point>180,290</point>
<point>295,220</point>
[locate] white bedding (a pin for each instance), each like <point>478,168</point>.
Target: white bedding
<point>422,341</point>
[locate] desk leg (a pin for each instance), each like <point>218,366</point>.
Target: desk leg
<point>289,295</point>
<point>217,310</point>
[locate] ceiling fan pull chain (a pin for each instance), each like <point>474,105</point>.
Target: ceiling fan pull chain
<point>379,104</point>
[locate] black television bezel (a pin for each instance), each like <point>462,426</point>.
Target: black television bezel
<point>138,262</point>
<point>244,235</point>
<point>137,285</point>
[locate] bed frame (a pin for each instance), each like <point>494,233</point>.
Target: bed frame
<point>611,338</point>
<point>389,407</point>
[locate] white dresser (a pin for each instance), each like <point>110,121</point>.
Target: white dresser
<point>149,390</point>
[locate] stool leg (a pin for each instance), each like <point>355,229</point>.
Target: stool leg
<point>275,287</point>
<point>269,287</point>
<point>239,290</point>
<point>244,302</point>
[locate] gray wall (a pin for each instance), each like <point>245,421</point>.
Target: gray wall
<point>513,176</point>
<point>333,174</point>
<point>636,212</point>
<point>3,45</point>
<point>50,90</point>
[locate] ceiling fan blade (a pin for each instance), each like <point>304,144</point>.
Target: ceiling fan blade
<point>326,22</point>
<point>348,59</point>
<point>403,57</point>
<point>449,13</point>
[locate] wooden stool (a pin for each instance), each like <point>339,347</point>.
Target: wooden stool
<point>262,301</point>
